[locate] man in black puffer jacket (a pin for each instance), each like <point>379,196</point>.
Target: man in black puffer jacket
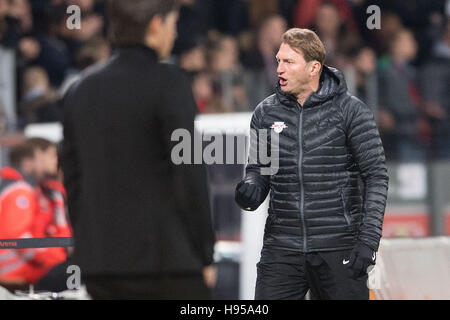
<point>323,231</point>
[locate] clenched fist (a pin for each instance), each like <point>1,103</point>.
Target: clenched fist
<point>248,195</point>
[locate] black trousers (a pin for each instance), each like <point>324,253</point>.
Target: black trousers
<point>288,275</point>
<point>147,287</point>
<point>55,280</point>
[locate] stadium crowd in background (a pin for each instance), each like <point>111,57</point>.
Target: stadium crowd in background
<point>228,49</point>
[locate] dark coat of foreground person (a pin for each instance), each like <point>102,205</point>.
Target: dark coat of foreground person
<point>133,211</point>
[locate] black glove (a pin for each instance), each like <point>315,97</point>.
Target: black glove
<point>248,195</point>
<point>361,258</point>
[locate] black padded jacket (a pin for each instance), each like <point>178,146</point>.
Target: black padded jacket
<point>316,202</point>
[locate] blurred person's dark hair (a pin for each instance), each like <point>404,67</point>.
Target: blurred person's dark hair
<point>20,10</point>
<point>391,23</point>
<point>55,17</point>
<point>128,20</point>
<point>10,30</point>
<point>18,153</point>
<point>194,22</point>
<point>37,143</point>
<point>192,58</point>
<point>231,16</point>
<point>260,10</point>
<point>337,36</point>
<point>42,144</point>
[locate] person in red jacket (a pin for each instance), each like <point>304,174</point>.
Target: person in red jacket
<point>31,206</point>
<point>18,209</point>
<point>52,220</point>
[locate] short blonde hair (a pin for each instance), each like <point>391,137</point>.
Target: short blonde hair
<point>306,41</point>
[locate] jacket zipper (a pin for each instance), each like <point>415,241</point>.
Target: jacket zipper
<point>300,172</point>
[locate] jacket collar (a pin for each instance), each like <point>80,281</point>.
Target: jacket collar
<point>332,83</point>
<point>55,185</point>
<point>139,49</point>
<point>10,173</point>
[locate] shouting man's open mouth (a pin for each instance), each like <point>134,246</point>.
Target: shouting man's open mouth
<point>283,81</point>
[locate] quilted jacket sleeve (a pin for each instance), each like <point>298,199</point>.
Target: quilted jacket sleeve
<point>367,150</point>
<point>253,171</point>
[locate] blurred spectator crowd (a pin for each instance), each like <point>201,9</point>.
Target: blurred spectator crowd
<point>228,47</point>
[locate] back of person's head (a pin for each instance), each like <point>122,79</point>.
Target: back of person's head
<point>129,20</point>
<point>18,154</point>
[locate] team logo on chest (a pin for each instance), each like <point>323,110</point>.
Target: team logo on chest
<point>278,126</point>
